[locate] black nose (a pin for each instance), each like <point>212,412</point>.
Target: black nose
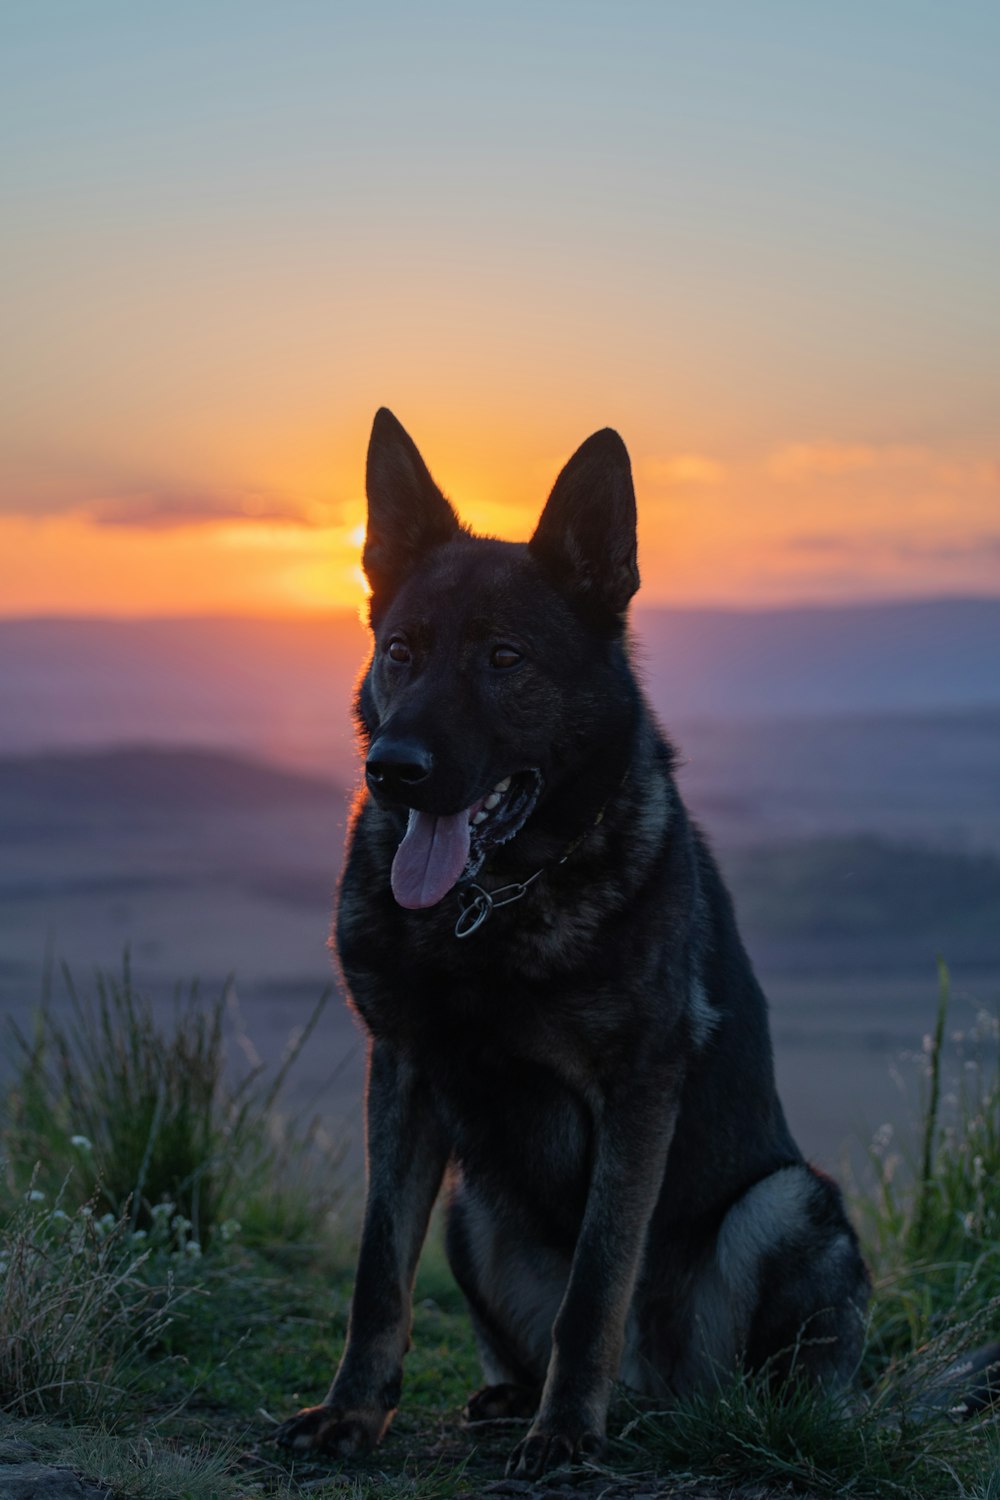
<point>396,765</point>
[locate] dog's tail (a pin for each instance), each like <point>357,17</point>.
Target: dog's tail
<point>965,1388</point>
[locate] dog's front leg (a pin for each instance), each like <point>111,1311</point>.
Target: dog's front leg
<point>633,1134</point>
<point>406,1154</point>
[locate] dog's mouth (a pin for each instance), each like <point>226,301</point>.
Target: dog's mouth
<point>438,852</point>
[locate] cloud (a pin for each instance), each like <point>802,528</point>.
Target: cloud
<point>167,509</point>
<point>953,547</point>
<point>682,468</point>
<point>797,461</point>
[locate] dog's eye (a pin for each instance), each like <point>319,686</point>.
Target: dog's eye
<point>504,656</point>
<point>398,650</point>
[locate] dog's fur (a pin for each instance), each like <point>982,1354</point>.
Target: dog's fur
<point>591,1067</point>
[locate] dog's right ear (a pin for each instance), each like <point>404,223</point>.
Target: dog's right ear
<point>407,513</point>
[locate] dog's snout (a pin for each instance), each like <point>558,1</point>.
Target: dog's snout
<point>396,765</point>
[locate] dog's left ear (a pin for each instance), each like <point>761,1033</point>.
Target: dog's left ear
<point>585,539</point>
<point>407,513</point>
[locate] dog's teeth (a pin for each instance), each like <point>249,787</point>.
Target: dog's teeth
<point>501,786</point>
<point>480,818</point>
<point>492,801</point>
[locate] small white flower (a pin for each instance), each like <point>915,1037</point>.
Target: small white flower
<point>81,1143</point>
<point>192,1250</point>
<point>162,1210</point>
<point>60,1216</point>
<point>35,1196</point>
<point>138,1236</point>
<point>987,1026</point>
<point>228,1229</point>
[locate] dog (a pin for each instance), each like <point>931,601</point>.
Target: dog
<point>563,1020</point>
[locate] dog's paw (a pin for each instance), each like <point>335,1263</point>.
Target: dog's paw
<point>498,1403</point>
<point>335,1430</point>
<point>544,1450</point>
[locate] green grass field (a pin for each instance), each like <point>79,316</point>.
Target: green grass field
<point>176,1263</point>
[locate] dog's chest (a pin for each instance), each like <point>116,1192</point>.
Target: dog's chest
<point>517,1127</point>
<point>489,1020</point>
<point>512,1073</point>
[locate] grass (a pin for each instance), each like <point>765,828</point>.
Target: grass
<point>130,1466</point>
<point>932,1226</point>
<point>77,1311</point>
<point>743,1435</point>
<point>110,1109</point>
<point>172,1288</point>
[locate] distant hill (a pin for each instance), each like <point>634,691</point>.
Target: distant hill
<point>867,905</point>
<point>924,654</point>
<point>144,777</point>
<point>196,824</point>
<point>920,776</point>
<point>857,848</point>
<point>281,689</point>
<point>831,875</point>
<point>145,796</point>
<point>277,689</point>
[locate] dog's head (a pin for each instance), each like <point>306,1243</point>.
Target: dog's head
<point>497,671</point>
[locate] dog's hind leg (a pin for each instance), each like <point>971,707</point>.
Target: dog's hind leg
<point>783,1291</point>
<point>513,1287</point>
<point>812,1293</point>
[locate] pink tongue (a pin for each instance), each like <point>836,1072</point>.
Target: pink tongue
<point>430,859</point>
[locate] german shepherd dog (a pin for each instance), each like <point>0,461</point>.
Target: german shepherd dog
<point>562,1017</point>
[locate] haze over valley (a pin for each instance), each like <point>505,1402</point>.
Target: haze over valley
<point>180,788</point>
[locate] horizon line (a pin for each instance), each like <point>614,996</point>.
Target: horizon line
<point>342,612</point>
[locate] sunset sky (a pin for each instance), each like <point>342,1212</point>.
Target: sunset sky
<point>760,238</point>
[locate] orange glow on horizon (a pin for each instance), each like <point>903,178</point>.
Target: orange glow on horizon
<point>801,522</point>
